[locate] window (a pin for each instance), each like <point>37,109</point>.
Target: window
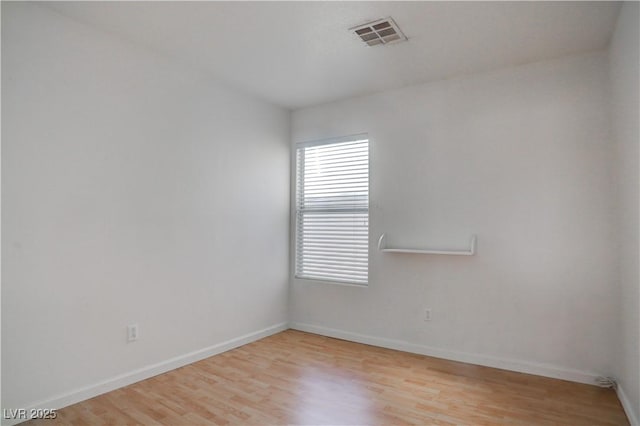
<point>332,210</point>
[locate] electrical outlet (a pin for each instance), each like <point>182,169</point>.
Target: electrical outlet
<point>132,333</point>
<point>427,314</point>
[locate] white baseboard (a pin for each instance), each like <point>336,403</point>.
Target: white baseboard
<point>545,370</point>
<point>126,379</point>
<point>143,373</point>
<point>628,408</point>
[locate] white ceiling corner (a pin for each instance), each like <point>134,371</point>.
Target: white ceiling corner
<point>298,54</point>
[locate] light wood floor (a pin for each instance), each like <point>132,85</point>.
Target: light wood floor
<point>301,378</point>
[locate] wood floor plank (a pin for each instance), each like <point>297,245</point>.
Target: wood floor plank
<point>301,378</point>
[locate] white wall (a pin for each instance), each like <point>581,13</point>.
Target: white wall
<point>625,89</point>
<point>134,190</point>
<point>139,190</point>
<point>520,157</point>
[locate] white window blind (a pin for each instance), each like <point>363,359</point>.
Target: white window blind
<point>332,211</point>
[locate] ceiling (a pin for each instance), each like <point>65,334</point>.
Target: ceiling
<point>297,54</point>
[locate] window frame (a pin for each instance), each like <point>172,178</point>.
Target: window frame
<point>297,211</point>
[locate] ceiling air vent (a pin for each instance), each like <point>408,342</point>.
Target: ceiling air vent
<point>382,31</point>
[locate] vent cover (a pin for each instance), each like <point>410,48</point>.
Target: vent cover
<point>382,31</point>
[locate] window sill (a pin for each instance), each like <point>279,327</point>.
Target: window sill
<point>331,282</point>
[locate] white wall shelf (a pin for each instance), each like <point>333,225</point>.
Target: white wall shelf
<point>470,252</point>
